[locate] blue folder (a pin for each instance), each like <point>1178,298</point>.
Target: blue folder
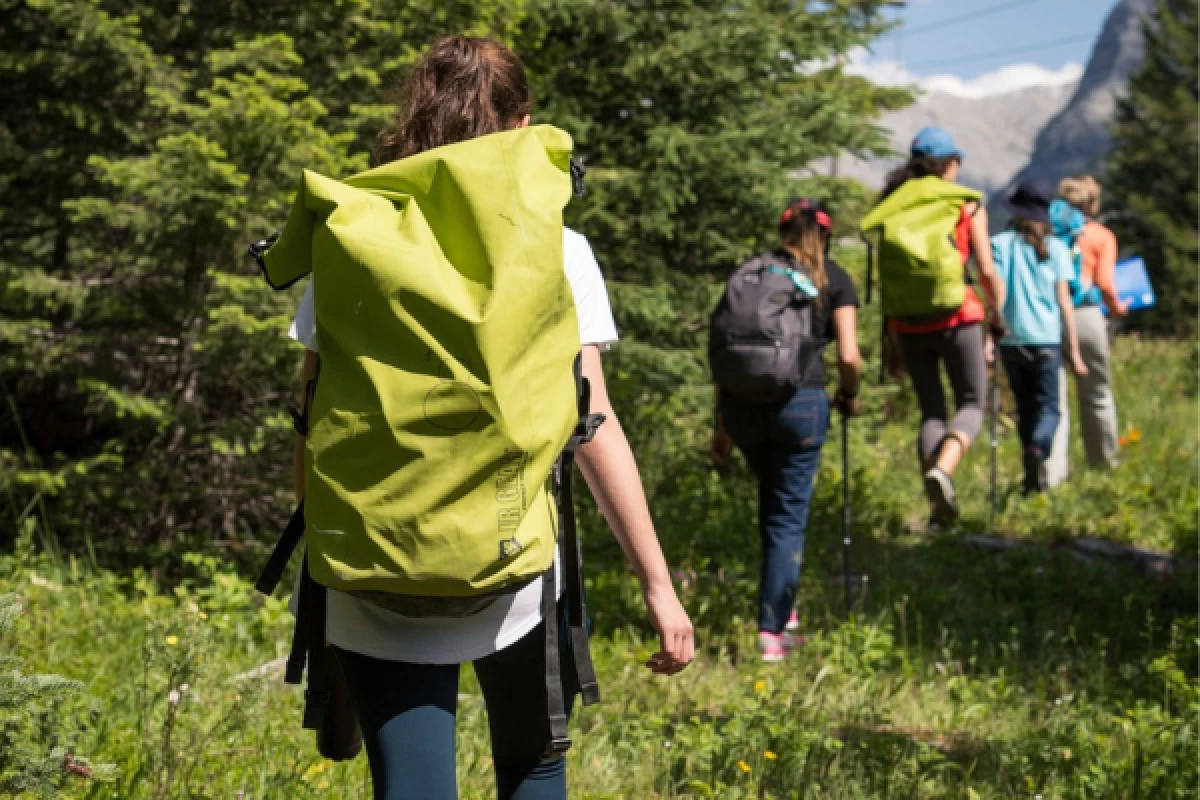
<point>1133,284</point>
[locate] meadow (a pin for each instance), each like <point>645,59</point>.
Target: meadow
<point>1018,667</point>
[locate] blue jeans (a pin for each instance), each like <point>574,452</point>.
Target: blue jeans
<point>407,715</point>
<point>782,445</point>
<point>1033,376</point>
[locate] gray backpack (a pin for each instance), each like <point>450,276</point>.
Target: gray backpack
<point>761,336</point>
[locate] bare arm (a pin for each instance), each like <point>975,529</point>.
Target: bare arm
<point>311,361</point>
<point>849,360</point>
<point>1070,341</point>
<point>1106,266</point>
<point>611,473</point>
<point>981,246</point>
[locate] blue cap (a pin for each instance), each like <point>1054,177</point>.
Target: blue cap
<point>934,143</point>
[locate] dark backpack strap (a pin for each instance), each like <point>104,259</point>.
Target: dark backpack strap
<point>568,536</point>
<point>572,565</point>
<point>870,265</point>
<point>572,562</point>
<point>317,694</point>
<point>272,573</point>
<point>556,702</point>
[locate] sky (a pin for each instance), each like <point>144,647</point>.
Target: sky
<point>982,47</point>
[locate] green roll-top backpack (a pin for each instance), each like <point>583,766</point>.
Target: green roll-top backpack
<point>920,266</point>
<point>449,399</point>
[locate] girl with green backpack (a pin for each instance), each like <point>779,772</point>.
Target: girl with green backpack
<point>930,226</point>
<point>412,261</point>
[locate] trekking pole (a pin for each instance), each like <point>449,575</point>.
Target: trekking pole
<point>846,521</point>
<point>995,410</point>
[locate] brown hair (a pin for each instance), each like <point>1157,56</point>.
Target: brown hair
<point>1083,192</point>
<point>1035,233</point>
<point>915,167</point>
<point>462,88</point>
<point>806,238</point>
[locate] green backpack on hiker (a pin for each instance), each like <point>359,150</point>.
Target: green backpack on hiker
<point>449,403</point>
<point>920,264</point>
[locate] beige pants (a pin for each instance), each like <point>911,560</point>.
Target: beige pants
<point>1097,406</point>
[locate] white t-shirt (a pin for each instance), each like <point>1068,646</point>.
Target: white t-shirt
<point>372,631</point>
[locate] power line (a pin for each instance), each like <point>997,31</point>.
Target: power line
<point>1010,51</point>
<point>981,13</point>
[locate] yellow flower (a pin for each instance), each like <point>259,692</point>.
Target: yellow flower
<point>743,766</point>
<point>770,756</point>
<point>172,640</point>
<point>203,615</point>
<point>1067,754</point>
<point>760,686</point>
<point>1135,435</point>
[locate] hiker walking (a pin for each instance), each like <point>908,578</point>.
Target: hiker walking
<point>1037,274</point>
<point>1094,255</point>
<point>930,226</point>
<point>447,305</point>
<point>768,334</point>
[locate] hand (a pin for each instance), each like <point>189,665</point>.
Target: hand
<point>997,327</point>
<point>989,348</point>
<point>674,630</point>
<point>1077,366</point>
<point>721,448</point>
<point>848,404</point>
<point>1122,308</point>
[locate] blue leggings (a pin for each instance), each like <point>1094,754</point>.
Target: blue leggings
<point>407,715</point>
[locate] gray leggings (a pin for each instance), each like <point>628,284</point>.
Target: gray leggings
<point>961,350</point>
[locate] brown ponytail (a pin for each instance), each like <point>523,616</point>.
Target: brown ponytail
<point>464,87</point>
<point>915,167</point>
<point>1035,234</point>
<point>803,235</point>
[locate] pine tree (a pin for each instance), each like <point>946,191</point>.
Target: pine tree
<point>28,767</point>
<point>1152,168</point>
<point>143,359</point>
<point>691,118</point>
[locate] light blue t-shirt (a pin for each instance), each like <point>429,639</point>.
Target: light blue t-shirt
<point>1031,309</point>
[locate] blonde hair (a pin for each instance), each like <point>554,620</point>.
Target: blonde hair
<point>1083,192</point>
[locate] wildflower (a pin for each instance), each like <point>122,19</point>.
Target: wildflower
<point>172,640</point>
<point>760,686</point>
<point>770,756</point>
<point>1122,441</point>
<point>203,615</point>
<point>173,697</point>
<point>1067,754</point>
<point>1135,435</point>
<point>743,766</point>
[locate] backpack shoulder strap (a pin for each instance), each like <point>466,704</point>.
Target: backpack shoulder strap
<point>572,565</point>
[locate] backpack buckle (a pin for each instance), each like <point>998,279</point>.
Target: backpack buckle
<point>557,747</point>
<point>578,170</point>
<point>260,248</point>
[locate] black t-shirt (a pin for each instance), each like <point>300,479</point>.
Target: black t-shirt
<point>839,292</point>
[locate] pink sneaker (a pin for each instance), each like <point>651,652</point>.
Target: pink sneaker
<point>770,647</point>
<point>793,623</point>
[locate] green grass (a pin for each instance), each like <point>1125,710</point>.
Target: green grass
<point>960,673</point>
